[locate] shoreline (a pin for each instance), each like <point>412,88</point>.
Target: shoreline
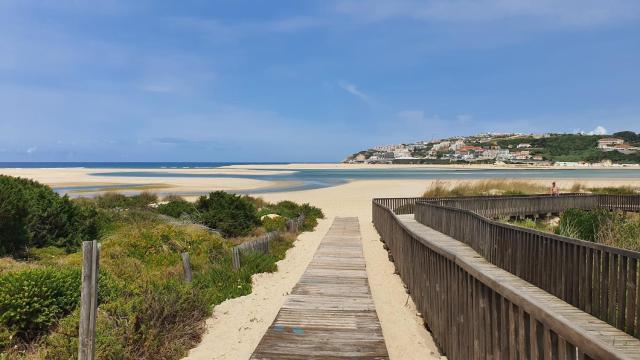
<point>248,179</point>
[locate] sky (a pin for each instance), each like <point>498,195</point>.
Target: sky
<point>112,80</point>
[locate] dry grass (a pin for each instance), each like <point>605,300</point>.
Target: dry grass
<point>441,188</point>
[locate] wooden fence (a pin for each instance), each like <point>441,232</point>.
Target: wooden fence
<point>600,280</point>
<point>474,314</point>
<point>261,243</point>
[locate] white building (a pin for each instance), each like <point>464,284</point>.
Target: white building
<point>456,145</point>
<point>608,143</point>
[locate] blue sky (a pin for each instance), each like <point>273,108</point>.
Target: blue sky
<point>305,80</point>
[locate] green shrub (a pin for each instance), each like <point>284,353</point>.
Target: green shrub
<point>233,215</point>
<point>582,224</point>
<point>6,338</point>
<point>274,224</point>
<point>291,210</point>
<point>168,321</point>
<point>32,300</point>
<point>111,200</point>
<point>612,190</point>
<point>177,208</point>
<point>114,200</point>
<point>33,215</point>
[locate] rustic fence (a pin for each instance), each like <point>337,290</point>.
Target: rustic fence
<point>261,243</point>
<point>598,279</point>
<point>474,314</point>
<point>469,313</point>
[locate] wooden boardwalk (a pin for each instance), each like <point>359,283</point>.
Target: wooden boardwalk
<point>330,312</point>
<point>590,328</point>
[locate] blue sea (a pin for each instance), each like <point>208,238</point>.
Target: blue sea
<point>305,179</point>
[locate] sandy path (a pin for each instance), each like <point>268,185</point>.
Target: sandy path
<point>237,325</point>
<point>232,334</point>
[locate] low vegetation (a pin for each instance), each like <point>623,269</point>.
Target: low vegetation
<point>146,310</point>
<point>441,188</point>
<point>614,228</point>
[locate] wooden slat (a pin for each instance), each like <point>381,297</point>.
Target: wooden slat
<point>330,312</point>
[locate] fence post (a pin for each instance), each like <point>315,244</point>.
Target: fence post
<point>235,258</point>
<point>187,267</point>
<point>88,300</point>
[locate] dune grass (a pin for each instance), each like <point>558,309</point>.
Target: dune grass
<point>440,188</point>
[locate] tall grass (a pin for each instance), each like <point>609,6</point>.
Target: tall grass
<point>440,188</point>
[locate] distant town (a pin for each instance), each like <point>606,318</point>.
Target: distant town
<point>548,149</point>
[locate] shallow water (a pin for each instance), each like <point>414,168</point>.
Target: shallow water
<point>306,179</point>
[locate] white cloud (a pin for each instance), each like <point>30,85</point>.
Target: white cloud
<point>32,149</point>
<point>353,90</point>
<point>557,12</point>
<point>599,130</point>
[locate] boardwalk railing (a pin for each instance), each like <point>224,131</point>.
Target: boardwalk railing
<point>473,314</point>
<point>598,279</point>
<point>261,243</point>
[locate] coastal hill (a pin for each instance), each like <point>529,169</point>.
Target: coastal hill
<point>499,148</point>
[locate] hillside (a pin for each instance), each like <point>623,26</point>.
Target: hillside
<point>544,149</point>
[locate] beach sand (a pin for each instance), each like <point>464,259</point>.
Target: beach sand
<point>64,177</point>
<point>237,325</point>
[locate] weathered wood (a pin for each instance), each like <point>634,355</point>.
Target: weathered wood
<point>588,275</point>
<point>88,300</point>
<point>330,313</point>
<point>186,267</point>
<point>259,244</point>
<point>539,323</point>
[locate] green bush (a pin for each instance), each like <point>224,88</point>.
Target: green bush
<point>32,300</point>
<point>233,215</point>
<point>114,200</point>
<point>274,224</point>
<point>582,224</point>
<point>177,208</point>
<point>291,210</point>
<point>33,215</point>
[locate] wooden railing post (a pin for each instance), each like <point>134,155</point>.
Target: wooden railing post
<point>186,266</point>
<point>88,300</point>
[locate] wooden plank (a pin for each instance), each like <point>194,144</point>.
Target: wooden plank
<point>535,305</point>
<point>330,313</point>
